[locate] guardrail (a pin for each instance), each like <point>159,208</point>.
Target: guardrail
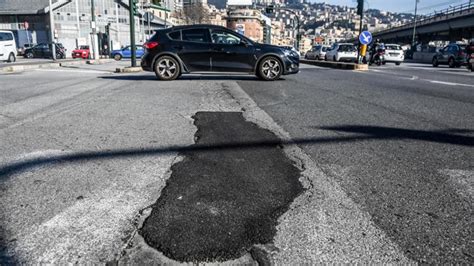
<point>466,8</point>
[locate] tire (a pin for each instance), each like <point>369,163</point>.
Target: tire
<point>11,58</point>
<point>167,68</point>
<point>398,63</point>
<point>451,63</point>
<point>270,68</point>
<point>117,57</point>
<point>317,58</point>
<point>334,58</point>
<point>325,58</point>
<point>383,63</point>
<point>29,55</point>
<point>435,62</point>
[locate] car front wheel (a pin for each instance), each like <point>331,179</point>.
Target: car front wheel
<point>270,68</point>
<point>11,58</point>
<point>435,62</point>
<point>117,57</point>
<point>167,68</point>
<point>29,55</point>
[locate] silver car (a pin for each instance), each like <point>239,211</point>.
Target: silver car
<point>317,52</point>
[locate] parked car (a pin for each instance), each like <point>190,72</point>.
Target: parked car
<point>452,55</point>
<point>7,46</point>
<point>82,52</point>
<point>185,49</point>
<point>21,50</point>
<point>126,52</point>
<point>43,50</point>
<point>341,52</point>
<point>317,52</point>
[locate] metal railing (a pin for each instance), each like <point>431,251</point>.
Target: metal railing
<point>437,15</point>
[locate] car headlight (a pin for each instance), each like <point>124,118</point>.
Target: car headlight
<point>290,53</point>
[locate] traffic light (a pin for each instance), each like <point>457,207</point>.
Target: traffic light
<point>134,7</point>
<point>360,7</point>
<point>269,9</point>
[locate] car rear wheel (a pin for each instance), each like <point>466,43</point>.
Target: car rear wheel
<point>397,63</point>
<point>117,57</point>
<point>11,58</point>
<point>270,68</point>
<point>435,62</point>
<point>29,55</point>
<point>167,68</point>
<point>451,63</point>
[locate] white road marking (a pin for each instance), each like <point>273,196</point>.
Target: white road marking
<point>448,83</point>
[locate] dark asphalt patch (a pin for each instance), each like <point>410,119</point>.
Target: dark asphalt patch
<point>218,204</point>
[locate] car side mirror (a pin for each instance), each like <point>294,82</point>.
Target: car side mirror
<point>244,43</point>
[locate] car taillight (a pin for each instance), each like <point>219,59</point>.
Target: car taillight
<point>151,45</point>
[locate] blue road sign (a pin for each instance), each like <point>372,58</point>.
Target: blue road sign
<point>365,37</point>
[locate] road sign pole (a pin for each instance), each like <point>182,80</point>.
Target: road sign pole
<point>359,59</point>
<point>51,27</point>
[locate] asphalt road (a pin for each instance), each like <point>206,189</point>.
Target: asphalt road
<point>405,147</point>
<point>384,159</point>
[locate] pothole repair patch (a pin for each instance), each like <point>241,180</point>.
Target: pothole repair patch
<point>225,195</point>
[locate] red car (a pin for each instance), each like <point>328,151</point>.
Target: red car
<point>82,52</point>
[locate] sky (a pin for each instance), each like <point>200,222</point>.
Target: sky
<point>408,6</point>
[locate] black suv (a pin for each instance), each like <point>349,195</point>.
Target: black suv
<point>453,55</point>
<point>198,48</point>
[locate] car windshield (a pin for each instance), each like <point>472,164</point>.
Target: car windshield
<point>393,47</point>
<point>347,48</point>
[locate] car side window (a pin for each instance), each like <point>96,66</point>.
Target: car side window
<point>224,37</point>
<point>195,35</point>
<point>5,36</point>
<point>175,35</point>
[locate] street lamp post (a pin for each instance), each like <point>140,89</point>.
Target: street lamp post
<point>51,27</point>
<point>414,25</point>
<point>95,43</point>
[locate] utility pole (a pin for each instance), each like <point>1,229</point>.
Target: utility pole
<point>132,5</point>
<point>76,2</point>
<point>414,25</point>
<point>95,43</point>
<point>51,27</point>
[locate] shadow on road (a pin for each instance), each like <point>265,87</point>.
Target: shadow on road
<point>364,133</point>
<point>184,77</point>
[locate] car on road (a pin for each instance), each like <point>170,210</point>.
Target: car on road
<point>21,50</point>
<point>7,46</point>
<point>453,55</point>
<point>340,52</point>
<point>126,52</point>
<point>317,52</point>
<point>209,48</point>
<point>393,54</point>
<point>43,50</point>
<point>82,52</point>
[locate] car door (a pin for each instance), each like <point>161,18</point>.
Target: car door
<point>443,55</point>
<point>231,52</point>
<point>194,49</point>
<point>127,52</point>
<point>140,51</point>
<point>38,50</point>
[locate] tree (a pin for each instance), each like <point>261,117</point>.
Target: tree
<point>196,13</point>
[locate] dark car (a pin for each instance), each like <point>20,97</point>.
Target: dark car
<point>198,48</point>
<point>452,55</point>
<point>43,50</point>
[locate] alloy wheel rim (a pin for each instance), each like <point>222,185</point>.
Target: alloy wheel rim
<point>167,68</point>
<point>271,68</point>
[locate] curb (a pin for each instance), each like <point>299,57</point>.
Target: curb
<point>337,65</point>
<point>128,69</point>
<point>20,68</point>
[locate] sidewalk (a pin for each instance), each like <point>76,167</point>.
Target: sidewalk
<point>27,64</point>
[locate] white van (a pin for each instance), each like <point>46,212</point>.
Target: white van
<point>7,46</point>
